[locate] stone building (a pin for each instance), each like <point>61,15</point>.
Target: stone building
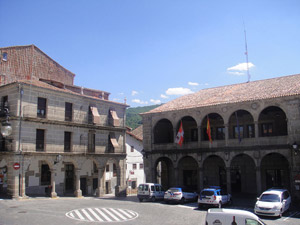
<point>65,140</point>
<point>254,129</point>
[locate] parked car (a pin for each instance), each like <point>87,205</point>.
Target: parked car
<point>273,202</point>
<point>231,216</point>
<point>179,194</point>
<point>214,196</point>
<point>150,191</point>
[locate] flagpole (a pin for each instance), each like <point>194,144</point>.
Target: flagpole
<point>246,53</point>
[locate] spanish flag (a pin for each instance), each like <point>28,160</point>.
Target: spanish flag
<point>208,130</point>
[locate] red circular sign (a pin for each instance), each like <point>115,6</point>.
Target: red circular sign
<point>16,166</point>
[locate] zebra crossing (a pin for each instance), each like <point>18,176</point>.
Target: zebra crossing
<point>102,215</point>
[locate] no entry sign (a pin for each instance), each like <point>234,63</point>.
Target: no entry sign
<point>16,166</point>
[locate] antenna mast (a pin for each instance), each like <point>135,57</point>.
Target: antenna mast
<point>246,53</point>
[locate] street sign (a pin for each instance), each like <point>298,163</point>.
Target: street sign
<point>16,166</point>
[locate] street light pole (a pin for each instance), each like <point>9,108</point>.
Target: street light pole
<point>19,143</point>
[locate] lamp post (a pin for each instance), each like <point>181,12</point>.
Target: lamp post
<point>6,128</point>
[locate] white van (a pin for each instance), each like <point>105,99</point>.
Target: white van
<point>231,217</point>
<point>150,191</point>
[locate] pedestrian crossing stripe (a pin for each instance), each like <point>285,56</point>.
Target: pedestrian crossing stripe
<point>102,215</point>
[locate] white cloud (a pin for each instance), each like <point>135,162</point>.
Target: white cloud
<point>178,91</point>
<point>163,96</point>
<point>193,84</point>
<point>241,67</point>
<point>237,73</point>
<point>133,93</point>
<point>155,101</point>
<point>138,101</point>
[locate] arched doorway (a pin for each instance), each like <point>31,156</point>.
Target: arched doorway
<point>275,171</point>
<point>69,179</point>
<point>188,173</point>
<point>214,172</point>
<point>243,175</point>
<point>164,172</point>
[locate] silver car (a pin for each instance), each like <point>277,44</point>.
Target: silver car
<point>178,194</point>
<point>273,202</point>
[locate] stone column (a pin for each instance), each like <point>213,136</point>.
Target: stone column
<point>228,179</point>
<point>226,134</point>
<point>78,192</point>
<point>201,184</point>
<point>176,174</point>
<point>258,180</point>
<point>100,190</point>
<point>12,181</point>
<point>256,128</point>
<point>53,193</point>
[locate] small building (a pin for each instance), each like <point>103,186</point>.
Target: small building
<point>65,140</point>
<point>135,174</point>
<point>243,137</point>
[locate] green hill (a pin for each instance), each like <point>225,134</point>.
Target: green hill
<point>133,119</point>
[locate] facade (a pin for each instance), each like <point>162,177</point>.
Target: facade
<point>241,137</point>
<point>135,174</point>
<point>65,140</point>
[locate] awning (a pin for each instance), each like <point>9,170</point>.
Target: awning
<point>96,116</point>
<point>113,140</point>
<point>116,121</point>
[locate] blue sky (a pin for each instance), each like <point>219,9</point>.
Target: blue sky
<point>153,51</point>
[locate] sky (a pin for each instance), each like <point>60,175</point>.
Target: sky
<point>153,51</point>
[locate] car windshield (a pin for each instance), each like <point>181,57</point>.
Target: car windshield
<point>174,190</point>
<point>207,193</point>
<point>269,198</point>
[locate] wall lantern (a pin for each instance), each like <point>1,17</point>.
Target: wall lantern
<point>6,128</point>
<point>295,148</point>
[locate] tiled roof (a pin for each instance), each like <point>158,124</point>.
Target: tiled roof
<point>45,85</point>
<point>136,133</point>
<point>243,92</point>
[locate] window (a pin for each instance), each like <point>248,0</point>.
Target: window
<point>113,117</point>
<point>141,166</point>
<point>132,149</point>
<point>41,107</point>
<point>114,170</point>
<point>94,116</point>
<point>194,134</point>
<point>220,133</point>
<point>107,168</point>
<point>134,166</point>
<point>238,132</point>
<point>267,129</point>
<point>4,56</point>
<point>91,141</point>
<point>40,140</point>
<point>45,175</point>
<point>250,131</point>
<point>95,169</point>
<point>68,111</point>
<point>67,142</point>
<point>112,142</point>
<point>4,101</point>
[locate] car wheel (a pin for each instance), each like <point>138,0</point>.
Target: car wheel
<point>199,206</point>
<point>153,199</point>
<point>182,201</point>
<point>280,214</point>
<point>140,199</point>
<point>220,205</point>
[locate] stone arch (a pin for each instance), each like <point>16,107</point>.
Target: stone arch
<point>275,171</point>
<point>217,127</point>
<point>188,173</point>
<point>190,129</point>
<point>241,125</point>
<point>243,174</point>
<point>163,132</point>
<point>272,121</point>
<point>214,172</point>
<point>164,172</point>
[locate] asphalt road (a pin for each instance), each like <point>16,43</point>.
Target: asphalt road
<point>110,210</point>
